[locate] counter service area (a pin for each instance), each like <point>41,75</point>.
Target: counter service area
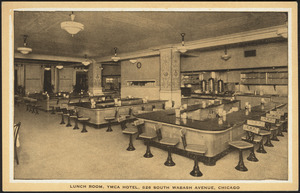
<point>158,99</point>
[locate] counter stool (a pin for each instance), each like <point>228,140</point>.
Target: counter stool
<point>74,115</point>
<point>83,120</point>
<point>109,119</point>
<point>194,149</point>
<point>132,131</point>
<point>53,109</point>
<point>241,145</point>
<point>36,108</point>
<point>27,106</point>
<point>170,143</point>
<point>61,112</point>
<point>67,114</point>
<point>147,137</point>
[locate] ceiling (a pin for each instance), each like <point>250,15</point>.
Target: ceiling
<point>129,31</point>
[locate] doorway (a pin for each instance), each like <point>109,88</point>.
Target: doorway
<point>81,82</point>
<point>47,81</point>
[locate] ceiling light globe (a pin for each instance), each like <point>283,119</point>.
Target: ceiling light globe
<point>24,50</point>
<point>72,27</point>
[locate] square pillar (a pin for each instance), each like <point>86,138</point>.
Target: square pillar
<point>170,77</point>
<point>95,78</point>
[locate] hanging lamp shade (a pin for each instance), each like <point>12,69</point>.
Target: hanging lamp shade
<point>86,61</point>
<point>47,68</point>
<point>59,67</point>
<point>182,48</point>
<point>225,56</point>
<point>24,49</point>
<point>115,58</point>
<point>72,27</point>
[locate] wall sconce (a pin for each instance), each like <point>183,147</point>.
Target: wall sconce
<point>132,61</point>
<point>225,56</point>
<point>181,48</point>
<point>115,58</point>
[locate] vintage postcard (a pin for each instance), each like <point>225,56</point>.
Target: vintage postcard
<point>150,96</point>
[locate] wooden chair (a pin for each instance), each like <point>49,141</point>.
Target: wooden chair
<point>16,140</point>
<point>170,143</point>
<point>147,137</point>
<point>195,150</point>
<point>132,131</point>
<point>255,135</point>
<point>281,121</point>
<point>284,110</point>
<point>111,118</point>
<point>271,126</point>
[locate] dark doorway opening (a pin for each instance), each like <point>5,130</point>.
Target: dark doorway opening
<point>81,82</point>
<point>47,81</point>
<point>16,81</point>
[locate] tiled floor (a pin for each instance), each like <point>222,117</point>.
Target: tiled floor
<point>53,151</point>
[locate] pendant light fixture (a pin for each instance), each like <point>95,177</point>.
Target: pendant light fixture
<point>72,27</point>
<point>115,58</point>
<point>225,56</point>
<point>86,61</point>
<point>181,48</point>
<point>47,68</point>
<point>25,49</point>
<point>59,66</point>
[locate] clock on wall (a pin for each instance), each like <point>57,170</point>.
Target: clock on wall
<point>138,65</point>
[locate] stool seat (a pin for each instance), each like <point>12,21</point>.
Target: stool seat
<point>264,132</point>
<point>124,115</point>
<point>66,114</point>
<point>169,141</point>
<point>130,131</point>
<point>240,144</point>
<point>273,128</point>
<point>109,118</point>
<point>196,148</point>
<point>83,119</point>
<point>73,116</point>
<point>147,135</point>
<point>257,139</point>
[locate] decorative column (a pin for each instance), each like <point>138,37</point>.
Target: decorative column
<point>94,78</point>
<point>170,77</point>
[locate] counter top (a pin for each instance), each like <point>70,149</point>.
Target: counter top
<point>199,106</point>
<point>252,95</point>
<point>109,104</point>
<point>233,119</point>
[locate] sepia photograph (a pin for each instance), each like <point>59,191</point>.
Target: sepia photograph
<point>124,96</point>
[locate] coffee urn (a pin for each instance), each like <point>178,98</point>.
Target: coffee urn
<point>220,86</point>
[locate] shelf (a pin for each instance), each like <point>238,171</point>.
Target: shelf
<point>141,83</point>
